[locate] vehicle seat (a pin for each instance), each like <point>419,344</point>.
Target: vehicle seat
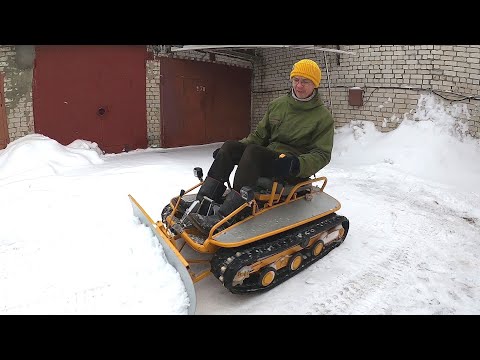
<point>264,186</point>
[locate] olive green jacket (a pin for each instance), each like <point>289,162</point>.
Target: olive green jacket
<point>304,129</point>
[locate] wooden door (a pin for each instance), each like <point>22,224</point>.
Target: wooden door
<point>4,138</point>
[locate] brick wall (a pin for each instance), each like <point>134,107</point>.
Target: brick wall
<point>393,78</point>
<point>18,93</point>
<point>153,103</point>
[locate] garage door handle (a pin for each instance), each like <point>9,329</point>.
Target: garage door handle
<point>101,111</point>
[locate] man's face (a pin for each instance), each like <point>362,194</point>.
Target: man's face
<point>303,87</point>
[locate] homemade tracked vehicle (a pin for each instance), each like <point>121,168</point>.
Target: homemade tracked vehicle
<point>279,231</point>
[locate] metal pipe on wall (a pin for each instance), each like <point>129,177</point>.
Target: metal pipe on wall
<point>329,85</point>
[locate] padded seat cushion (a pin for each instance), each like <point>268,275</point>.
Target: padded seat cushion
<point>264,186</point>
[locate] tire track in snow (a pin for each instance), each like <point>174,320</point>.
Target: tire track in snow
<point>387,266</point>
<point>358,295</point>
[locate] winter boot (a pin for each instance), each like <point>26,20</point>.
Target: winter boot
<point>211,188</point>
<point>182,206</point>
<point>205,223</point>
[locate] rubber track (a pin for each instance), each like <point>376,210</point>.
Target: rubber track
<point>235,259</point>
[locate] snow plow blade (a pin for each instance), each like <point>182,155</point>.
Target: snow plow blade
<point>172,254</point>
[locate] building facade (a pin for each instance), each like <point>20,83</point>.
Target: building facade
<point>391,78</point>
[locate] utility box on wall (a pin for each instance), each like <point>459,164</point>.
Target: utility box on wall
<point>355,96</point>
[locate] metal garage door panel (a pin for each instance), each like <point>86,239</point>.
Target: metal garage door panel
<point>95,93</point>
<point>203,102</point>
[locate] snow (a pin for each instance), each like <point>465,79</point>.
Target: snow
<point>69,243</point>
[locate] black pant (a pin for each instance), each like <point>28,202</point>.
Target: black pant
<point>253,161</point>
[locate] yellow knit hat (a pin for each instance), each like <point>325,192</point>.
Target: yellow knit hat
<point>308,69</point>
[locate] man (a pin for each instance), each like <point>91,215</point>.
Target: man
<point>296,124</point>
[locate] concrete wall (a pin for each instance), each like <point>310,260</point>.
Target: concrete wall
<point>17,64</point>
<point>393,78</point>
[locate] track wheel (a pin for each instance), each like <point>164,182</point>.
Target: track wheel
<point>267,276</point>
<point>318,248</point>
<point>295,261</point>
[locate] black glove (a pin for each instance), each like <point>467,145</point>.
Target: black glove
<point>215,153</point>
<point>286,166</point>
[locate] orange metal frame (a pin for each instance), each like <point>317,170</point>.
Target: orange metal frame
<point>210,245</point>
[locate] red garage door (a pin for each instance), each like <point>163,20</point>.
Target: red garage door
<point>94,93</point>
<point>203,102</point>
